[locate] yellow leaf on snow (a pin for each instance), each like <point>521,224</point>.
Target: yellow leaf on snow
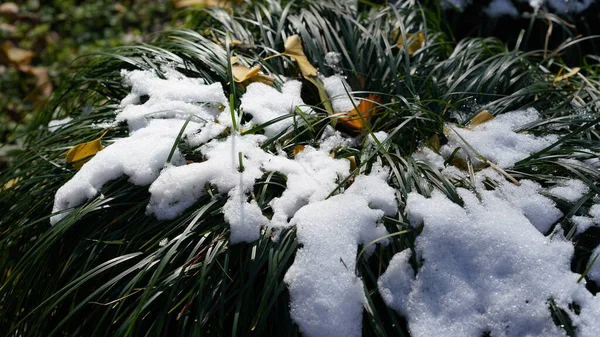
<point>297,149</point>
<point>242,73</point>
<point>358,117</point>
<point>416,40</point>
<point>480,118</point>
<point>81,153</point>
<point>293,49</point>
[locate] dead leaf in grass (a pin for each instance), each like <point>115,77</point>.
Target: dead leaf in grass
<point>81,153</point>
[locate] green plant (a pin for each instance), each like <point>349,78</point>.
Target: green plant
<point>106,269</point>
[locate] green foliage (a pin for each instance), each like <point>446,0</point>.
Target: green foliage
<point>108,269</point>
<point>58,31</point>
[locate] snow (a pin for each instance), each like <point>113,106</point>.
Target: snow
<point>153,129</point>
<point>179,187</point>
<point>265,103</point>
<point>395,284</point>
<point>583,223</point>
<point>54,125</point>
<point>176,97</point>
<point>496,139</point>
<point>140,156</point>
<point>594,272</point>
<point>327,297</point>
<point>490,266</point>
<point>538,209</point>
<point>485,268</point>
<point>570,190</point>
<point>339,93</point>
<point>311,176</point>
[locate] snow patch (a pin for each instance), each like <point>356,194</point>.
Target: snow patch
<point>485,268</point>
<point>570,190</point>
<point>496,139</point>
<point>140,156</point>
<point>327,297</point>
<point>55,124</point>
<point>265,104</point>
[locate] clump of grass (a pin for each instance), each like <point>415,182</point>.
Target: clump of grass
<point>107,270</point>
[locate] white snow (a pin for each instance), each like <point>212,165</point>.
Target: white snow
<point>265,103</point>
<point>140,156</point>
<point>594,272</point>
<point>176,97</point>
<point>153,129</point>
<point>538,209</point>
<point>570,190</point>
<point>485,268</point>
<point>327,297</point>
<point>490,266</point>
<point>496,139</point>
<point>395,284</point>
<point>339,93</point>
<point>53,125</point>
<point>177,188</point>
<point>311,176</point>
<point>584,222</point>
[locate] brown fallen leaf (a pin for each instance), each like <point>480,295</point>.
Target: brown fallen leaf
<point>480,118</point>
<point>15,55</point>
<point>298,149</point>
<point>434,142</point>
<point>242,73</point>
<point>82,153</point>
<point>203,3</point>
<point>359,116</point>
<point>293,49</point>
<point>42,78</point>
<point>9,9</point>
<point>560,77</point>
<point>416,40</point>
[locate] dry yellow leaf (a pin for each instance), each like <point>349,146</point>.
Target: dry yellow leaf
<point>480,118</point>
<point>298,149</point>
<point>81,153</point>
<point>10,183</point>
<point>416,41</point>
<point>16,55</point>
<point>202,3</point>
<point>352,161</point>
<point>293,49</point>
<point>9,8</point>
<point>362,113</point>
<point>559,78</point>
<point>242,73</point>
<point>434,142</point>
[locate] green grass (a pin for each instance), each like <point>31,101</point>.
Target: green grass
<point>102,270</point>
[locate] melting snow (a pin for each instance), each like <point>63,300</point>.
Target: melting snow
<point>54,125</point>
<point>570,190</point>
<point>140,156</point>
<point>496,139</point>
<point>278,105</point>
<point>327,297</point>
<point>485,268</point>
